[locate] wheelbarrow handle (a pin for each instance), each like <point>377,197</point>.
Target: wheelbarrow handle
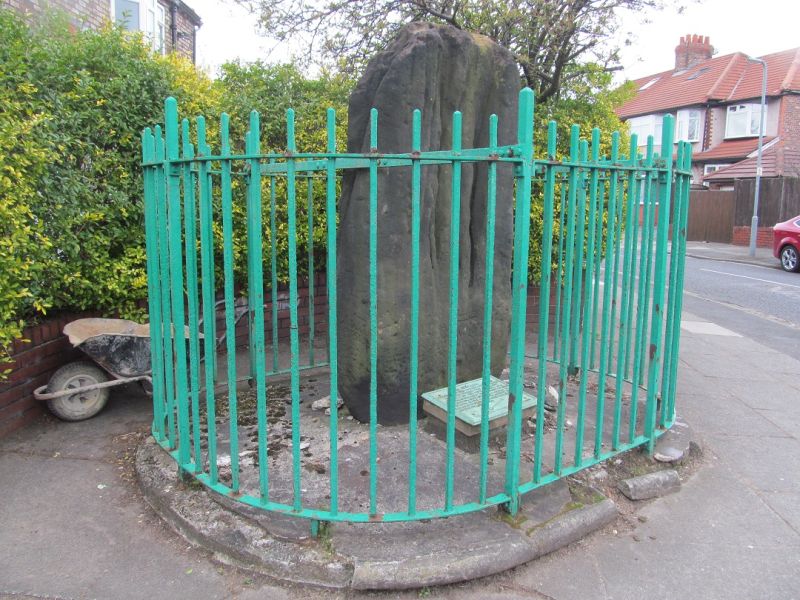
<point>40,394</point>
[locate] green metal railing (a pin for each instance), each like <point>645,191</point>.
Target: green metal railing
<point>606,333</point>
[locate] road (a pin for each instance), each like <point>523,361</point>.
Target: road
<point>759,302</point>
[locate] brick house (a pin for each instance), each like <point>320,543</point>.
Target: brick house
<point>717,103</point>
<point>170,25</point>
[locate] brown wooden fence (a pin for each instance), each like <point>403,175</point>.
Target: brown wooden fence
<point>711,216</point>
<point>779,200</point>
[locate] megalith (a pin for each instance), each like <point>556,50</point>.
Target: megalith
<point>438,69</point>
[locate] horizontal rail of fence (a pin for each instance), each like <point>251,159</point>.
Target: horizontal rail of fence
<point>600,349</point>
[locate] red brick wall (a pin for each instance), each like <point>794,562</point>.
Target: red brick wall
<point>741,236</point>
<point>32,364</point>
<point>90,13</point>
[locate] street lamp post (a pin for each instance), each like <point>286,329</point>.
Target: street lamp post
<point>754,221</point>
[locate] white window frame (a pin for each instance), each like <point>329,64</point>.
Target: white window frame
<point>152,22</point>
<point>713,168</point>
<point>750,110</point>
<point>647,125</point>
<point>684,120</point>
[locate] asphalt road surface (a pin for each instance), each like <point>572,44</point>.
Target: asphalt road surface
<point>759,302</point>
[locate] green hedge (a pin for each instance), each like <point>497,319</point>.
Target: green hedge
<point>73,106</point>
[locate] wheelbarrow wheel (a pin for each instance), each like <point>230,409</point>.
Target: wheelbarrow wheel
<point>80,405</point>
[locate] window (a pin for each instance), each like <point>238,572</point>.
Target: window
<point>146,16</point>
<point>743,120</point>
<point>708,169</point>
<point>649,83</point>
<point>689,125</point>
<point>647,126</point>
<point>126,13</point>
<point>697,73</point>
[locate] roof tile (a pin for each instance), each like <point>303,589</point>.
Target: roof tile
<point>721,79</point>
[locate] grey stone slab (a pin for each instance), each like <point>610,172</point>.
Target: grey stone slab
<point>775,472</point>
<point>709,571</point>
<point>787,420</point>
<point>786,505</point>
<point>777,394</point>
<point>726,414</point>
<point>716,507</point>
<point>569,573</point>
<point>63,536</point>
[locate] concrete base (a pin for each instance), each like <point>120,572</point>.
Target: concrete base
<point>370,556</point>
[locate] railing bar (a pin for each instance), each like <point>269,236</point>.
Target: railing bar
<point>373,314</point>
<point>588,301</point>
<point>597,250</point>
<point>153,283</point>
<point>256,300</point>
<point>641,306</point>
<point>294,343</point>
<point>685,181</point>
<point>519,292</point>
<point>544,301</point>
<point>190,243</point>
<point>230,323</point>
<point>628,285</point>
<point>578,309</point>
<point>607,305</point>
<point>653,206</point>
<point>273,270</point>
<point>413,394</point>
<point>333,356</point>
<point>616,295</point>
<point>566,321</point>
<point>209,309</point>
<point>176,280</point>
<point>452,330</point>
<point>673,268</point>
<point>166,320</point>
<point>312,282</point>
<point>488,293</point>
<point>638,182</point>
<point>656,332</point>
<point>560,270</point>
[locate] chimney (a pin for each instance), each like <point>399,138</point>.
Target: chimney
<point>691,50</point>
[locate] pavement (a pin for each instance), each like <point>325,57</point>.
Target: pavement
<point>731,253</point>
<point>75,525</point>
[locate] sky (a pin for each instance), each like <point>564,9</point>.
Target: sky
<point>756,27</point>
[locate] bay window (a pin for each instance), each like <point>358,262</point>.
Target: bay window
<point>743,120</point>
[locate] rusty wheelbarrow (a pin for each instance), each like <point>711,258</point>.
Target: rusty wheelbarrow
<point>80,389</point>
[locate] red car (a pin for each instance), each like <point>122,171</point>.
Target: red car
<point>786,243</point>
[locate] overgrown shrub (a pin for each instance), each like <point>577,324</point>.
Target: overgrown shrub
<point>72,107</point>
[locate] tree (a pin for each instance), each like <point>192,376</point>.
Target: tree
<point>548,38</point>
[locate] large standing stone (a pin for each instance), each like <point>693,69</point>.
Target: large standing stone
<point>438,69</point>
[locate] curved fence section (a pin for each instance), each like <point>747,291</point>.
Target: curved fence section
<point>242,258</point>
